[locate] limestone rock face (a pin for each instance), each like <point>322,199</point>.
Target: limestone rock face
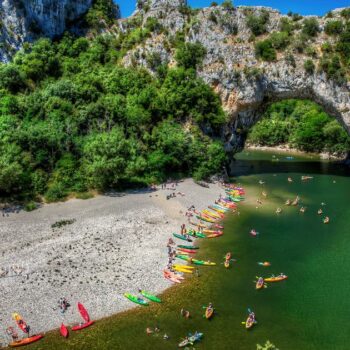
<point>25,20</point>
<point>245,84</point>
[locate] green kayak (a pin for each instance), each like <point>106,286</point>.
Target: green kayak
<point>188,246</point>
<point>196,234</point>
<point>183,257</point>
<point>150,296</point>
<point>136,299</point>
<point>181,237</point>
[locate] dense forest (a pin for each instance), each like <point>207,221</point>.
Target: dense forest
<point>73,119</point>
<point>302,125</point>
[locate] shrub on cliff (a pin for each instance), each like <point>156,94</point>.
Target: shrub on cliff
<point>258,24</point>
<point>309,67</point>
<point>190,55</point>
<point>265,50</point>
<point>310,27</point>
<point>333,27</point>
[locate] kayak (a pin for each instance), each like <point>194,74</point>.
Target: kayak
<point>188,246</point>
<point>198,224</point>
<point>250,321</point>
<point>26,341</point>
<point>205,219</point>
<point>259,283</point>
<point>190,251</point>
<point>64,331</point>
<point>182,237</point>
<point>209,312</point>
<point>181,269</point>
<point>265,263</point>
<point>136,299</point>
<point>212,231</point>
<point>150,296</point>
<point>183,257</point>
<point>214,235</point>
<point>84,314</point>
<point>196,234</point>
<point>201,262</point>
<point>184,266</point>
<point>219,226</point>
<point>276,278</point>
<point>172,276</point>
<point>227,263</point>
<point>20,322</point>
<point>191,340</point>
<point>82,326</point>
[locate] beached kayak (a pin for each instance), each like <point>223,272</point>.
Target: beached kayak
<point>136,299</point>
<point>150,296</point>
<point>259,283</point>
<point>64,331</point>
<point>20,322</point>
<point>181,269</point>
<point>201,262</point>
<point>84,314</point>
<point>214,235</point>
<point>82,326</point>
<point>196,234</point>
<point>184,266</point>
<point>205,219</point>
<point>188,246</point>
<point>183,257</point>
<point>190,251</point>
<point>26,341</point>
<point>212,231</point>
<point>276,278</point>
<point>182,237</point>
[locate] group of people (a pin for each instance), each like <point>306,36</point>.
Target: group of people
<point>63,305</point>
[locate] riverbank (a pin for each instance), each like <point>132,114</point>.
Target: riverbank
<point>290,150</point>
<point>115,244</point>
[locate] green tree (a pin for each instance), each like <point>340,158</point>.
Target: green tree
<point>190,55</point>
<point>265,50</point>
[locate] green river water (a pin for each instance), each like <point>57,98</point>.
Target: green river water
<point>308,311</point>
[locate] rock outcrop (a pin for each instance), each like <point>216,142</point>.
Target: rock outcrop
<point>26,20</point>
<point>245,84</point>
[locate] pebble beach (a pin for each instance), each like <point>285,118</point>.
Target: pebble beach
<point>115,243</point>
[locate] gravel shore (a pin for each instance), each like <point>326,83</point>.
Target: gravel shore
<point>116,244</point>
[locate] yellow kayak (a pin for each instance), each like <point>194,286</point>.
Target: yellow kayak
<point>185,266</point>
<point>179,269</point>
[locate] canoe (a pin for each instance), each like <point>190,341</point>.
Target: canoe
<point>64,331</point>
<point>182,237</point>
<point>250,321</point>
<point>188,246</point>
<point>136,299</point>
<point>20,322</point>
<point>150,296</point>
<point>84,314</point>
<point>276,278</point>
<point>26,341</point>
<point>259,283</point>
<point>209,312</point>
<point>82,326</point>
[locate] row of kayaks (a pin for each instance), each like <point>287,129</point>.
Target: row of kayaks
<point>138,300</point>
<point>34,338</point>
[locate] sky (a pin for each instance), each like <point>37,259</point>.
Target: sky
<point>304,7</point>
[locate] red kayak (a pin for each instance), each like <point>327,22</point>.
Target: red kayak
<point>64,331</point>
<point>191,251</point>
<point>26,341</point>
<point>84,314</point>
<point>82,326</point>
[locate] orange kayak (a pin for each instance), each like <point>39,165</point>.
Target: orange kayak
<point>276,279</point>
<point>259,283</point>
<point>26,341</point>
<point>209,313</point>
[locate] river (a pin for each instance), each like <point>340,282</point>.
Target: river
<point>308,311</point>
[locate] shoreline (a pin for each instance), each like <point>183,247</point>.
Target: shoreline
<point>116,245</point>
<point>285,148</point>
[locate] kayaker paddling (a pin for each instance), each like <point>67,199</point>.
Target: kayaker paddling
<point>326,220</point>
<point>319,211</point>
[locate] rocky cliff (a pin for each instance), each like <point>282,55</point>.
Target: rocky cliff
<point>25,20</point>
<point>246,83</point>
<point>302,64</point>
